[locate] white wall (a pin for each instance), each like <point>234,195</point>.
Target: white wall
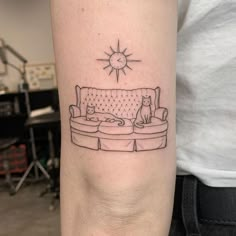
<point>25,25</point>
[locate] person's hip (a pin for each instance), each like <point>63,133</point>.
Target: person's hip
<point>200,210</point>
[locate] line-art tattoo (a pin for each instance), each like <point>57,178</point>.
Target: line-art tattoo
<point>118,61</point>
<point>118,119</point>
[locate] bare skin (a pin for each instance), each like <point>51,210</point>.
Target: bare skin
<point>115,193</point>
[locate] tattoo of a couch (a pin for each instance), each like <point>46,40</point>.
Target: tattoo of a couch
<point>104,131</point>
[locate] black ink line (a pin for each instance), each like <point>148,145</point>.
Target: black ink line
<point>107,54</point>
<point>102,59</point>
<point>112,69</point>
<point>118,60</point>
<point>129,67</point>
<point>106,67</point>
<point>118,46</point>
<point>130,60</point>
<point>129,55</point>
<point>117,75</point>
<point>112,49</point>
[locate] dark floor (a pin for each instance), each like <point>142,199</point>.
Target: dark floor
<point>26,214</point>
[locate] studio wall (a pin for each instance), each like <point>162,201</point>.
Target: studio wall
<point>26,26</point>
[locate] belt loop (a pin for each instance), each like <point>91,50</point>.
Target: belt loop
<point>189,206</point>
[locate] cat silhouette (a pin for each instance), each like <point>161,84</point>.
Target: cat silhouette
<point>144,113</point>
<point>91,115</point>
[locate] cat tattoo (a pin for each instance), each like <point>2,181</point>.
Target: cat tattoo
<point>144,113</point>
<point>98,116</point>
<point>118,120</point>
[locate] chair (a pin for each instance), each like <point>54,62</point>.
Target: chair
<point>49,121</point>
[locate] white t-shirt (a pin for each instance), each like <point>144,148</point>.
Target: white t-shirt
<point>206,91</point>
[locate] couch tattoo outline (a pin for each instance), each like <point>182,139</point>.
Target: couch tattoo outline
<point>124,104</point>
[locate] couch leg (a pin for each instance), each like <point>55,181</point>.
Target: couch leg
<point>117,145</point>
<point>151,144</point>
<point>85,141</point>
<point>135,146</point>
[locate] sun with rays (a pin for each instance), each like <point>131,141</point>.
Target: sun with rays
<point>118,61</point>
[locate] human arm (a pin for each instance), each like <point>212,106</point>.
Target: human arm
<point>109,192</point>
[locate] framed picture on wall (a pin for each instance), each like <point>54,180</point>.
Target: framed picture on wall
<point>41,76</point>
<point>3,67</point>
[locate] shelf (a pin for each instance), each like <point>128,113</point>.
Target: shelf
<point>30,91</point>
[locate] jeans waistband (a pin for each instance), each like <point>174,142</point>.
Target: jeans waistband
<point>196,202</point>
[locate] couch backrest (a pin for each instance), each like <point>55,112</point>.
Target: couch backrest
<point>119,102</point>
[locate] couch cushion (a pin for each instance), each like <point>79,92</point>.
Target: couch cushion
<point>80,123</point>
<point>119,102</point>
<point>114,128</point>
<point>156,126</point>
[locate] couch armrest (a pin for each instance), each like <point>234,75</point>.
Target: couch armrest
<point>161,113</point>
<point>74,111</point>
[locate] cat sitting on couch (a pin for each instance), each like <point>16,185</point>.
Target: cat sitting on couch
<point>143,115</point>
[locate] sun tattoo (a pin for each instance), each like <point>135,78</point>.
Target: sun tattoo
<point>118,61</point>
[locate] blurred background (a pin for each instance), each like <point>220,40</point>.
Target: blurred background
<point>29,121</point>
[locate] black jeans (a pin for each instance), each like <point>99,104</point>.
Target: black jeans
<point>200,210</point>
